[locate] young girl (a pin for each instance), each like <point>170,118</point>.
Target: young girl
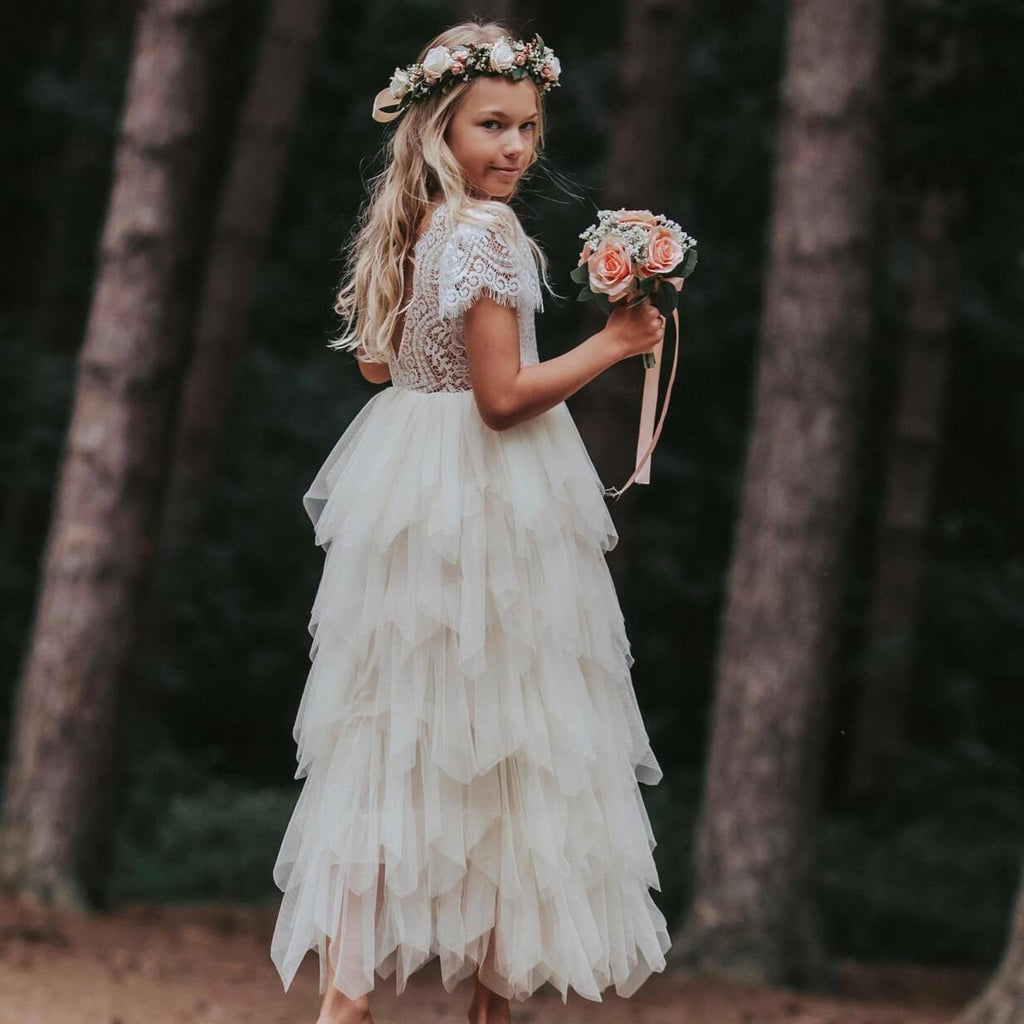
<point>468,733</point>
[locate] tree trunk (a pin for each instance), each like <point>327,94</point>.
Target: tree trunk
<point>1002,1002</point>
<point>60,307</point>
<point>239,243</point>
<point>644,136</point>
<point>70,226</point>
<point>914,443</point>
<point>113,471</point>
<point>929,60</point>
<point>753,916</point>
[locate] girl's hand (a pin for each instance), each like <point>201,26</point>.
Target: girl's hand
<point>635,330</point>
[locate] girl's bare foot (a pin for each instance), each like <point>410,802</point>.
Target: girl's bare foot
<point>488,1007</point>
<point>337,1008</point>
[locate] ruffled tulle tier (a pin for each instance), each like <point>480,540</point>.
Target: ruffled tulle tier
<point>468,733</point>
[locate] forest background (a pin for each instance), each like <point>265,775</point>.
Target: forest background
<point>919,830</point>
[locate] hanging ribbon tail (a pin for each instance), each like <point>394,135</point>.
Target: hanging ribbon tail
<point>385,106</point>
<point>648,408</point>
<point>649,434</point>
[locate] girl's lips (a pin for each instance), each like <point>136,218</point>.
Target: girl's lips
<point>501,170</point>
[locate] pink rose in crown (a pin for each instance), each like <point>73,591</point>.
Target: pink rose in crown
<point>663,252</point>
<point>611,269</point>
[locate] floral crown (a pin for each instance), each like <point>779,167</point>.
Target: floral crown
<point>443,67</point>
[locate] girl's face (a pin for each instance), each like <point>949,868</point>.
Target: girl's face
<point>493,131</point>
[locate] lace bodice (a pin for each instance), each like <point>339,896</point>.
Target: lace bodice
<point>453,265</point>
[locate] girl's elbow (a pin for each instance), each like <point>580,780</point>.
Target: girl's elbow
<point>496,414</point>
<point>375,373</point>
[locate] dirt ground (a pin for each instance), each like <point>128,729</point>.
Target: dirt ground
<point>148,964</point>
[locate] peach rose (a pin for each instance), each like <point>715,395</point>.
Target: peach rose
<point>636,217</point>
<point>611,269</point>
<point>663,253</point>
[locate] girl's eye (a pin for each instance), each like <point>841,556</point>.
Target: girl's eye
<point>531,124</point>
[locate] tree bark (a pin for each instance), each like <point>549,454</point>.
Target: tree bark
<point>753,915</point>
<point>239,243</point>
<point>928,62</point>
<point>913,450</point>
<point>1002,1001</point>
<point>644,133</point>
<point>70,227</point>
<point>60,307</point>
<point>52,843</point>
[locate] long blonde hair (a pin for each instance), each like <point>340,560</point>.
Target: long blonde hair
<point>418,162</point>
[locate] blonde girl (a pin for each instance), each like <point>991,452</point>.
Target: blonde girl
<point>469,736</point>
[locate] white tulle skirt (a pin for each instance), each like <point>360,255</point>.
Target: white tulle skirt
<point>468,733</point>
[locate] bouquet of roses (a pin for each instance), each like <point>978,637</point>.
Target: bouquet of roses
<point>630,254</point>
<point>627,256</point>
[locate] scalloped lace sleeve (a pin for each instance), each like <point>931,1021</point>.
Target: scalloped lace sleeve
<point>477,260</point>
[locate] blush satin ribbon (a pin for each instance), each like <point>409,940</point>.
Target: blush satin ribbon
<point>649,433</point>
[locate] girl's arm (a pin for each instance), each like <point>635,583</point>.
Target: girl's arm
<point>375,373</point>
<point>507,393</point>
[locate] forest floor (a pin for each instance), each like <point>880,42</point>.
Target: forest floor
<point>209,964</point>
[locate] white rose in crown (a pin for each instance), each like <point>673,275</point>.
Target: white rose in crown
<point>502,57</point>
<point>555,65</point>
<point>437,61</point>
<point>399,84</point>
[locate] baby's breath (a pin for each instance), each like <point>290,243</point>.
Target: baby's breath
<point>634,237</point>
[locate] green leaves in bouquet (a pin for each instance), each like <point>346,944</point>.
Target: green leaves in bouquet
<point>646,286</point>
<point>580,274</point>
<point>666,298</point>
<point>685,266</point>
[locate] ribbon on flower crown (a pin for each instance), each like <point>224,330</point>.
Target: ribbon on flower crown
<point>649,434</point>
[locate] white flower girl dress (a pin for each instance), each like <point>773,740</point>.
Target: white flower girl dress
<point>468,732</point>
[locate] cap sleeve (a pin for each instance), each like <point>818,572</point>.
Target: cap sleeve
<point>478,260</point>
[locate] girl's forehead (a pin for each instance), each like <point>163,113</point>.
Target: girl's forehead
<point>499,95</point>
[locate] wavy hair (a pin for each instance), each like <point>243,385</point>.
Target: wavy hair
<point>418,162</point>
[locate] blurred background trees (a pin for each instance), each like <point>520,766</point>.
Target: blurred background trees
<point>915,830</point>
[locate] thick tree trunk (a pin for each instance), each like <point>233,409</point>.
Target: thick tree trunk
<point>913,450</point>
<point>70,227</point>
<point>644,136</point>
<point>1002,1002</point>
<point>236,254</point>
<point>753,915</point>
<point>72,217</point>
<point>928,61</point>
<point>113,471</point>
